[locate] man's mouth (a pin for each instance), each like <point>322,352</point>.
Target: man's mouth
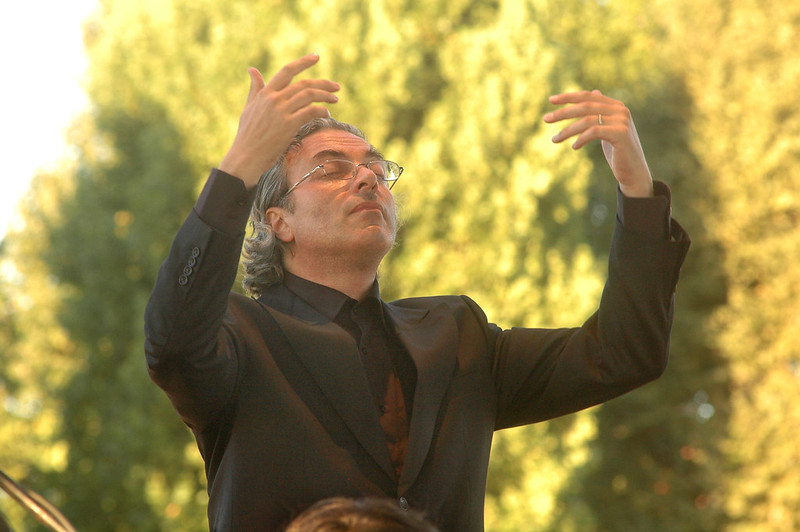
<point>367,206</point>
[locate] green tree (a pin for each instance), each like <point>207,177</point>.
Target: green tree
<point>33,364</point>
<point>741,70</point>
<point>455,91</point>
<point>654,461</point>
<point>104,250</point>
<point>498,213</point>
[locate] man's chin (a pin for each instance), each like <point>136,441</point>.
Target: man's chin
<point>380,238</point>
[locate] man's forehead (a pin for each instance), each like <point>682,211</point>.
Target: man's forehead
<point>332,143</point>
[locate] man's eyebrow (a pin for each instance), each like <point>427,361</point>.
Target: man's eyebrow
<point>324,155</point>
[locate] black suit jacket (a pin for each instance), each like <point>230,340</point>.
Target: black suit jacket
<point>279,402</point>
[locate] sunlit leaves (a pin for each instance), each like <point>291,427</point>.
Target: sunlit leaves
<point>454,91</point>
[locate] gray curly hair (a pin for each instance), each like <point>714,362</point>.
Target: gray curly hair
<point>262,256</point>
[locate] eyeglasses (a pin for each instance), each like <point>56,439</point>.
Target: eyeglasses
<point>387,172</point>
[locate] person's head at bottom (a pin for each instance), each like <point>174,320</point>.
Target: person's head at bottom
<point>340,514</point>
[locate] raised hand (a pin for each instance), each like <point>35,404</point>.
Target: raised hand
<point>272,115</point>
<point>609,120</point>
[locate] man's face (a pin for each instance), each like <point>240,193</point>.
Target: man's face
<point>355,216</point>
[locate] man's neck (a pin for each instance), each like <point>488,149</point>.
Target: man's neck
<point>352,283</point>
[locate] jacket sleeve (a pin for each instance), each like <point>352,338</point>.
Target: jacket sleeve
<point>191,354</point>
<point>545,373</point>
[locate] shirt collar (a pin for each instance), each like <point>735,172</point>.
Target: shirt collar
<point>324,299</point>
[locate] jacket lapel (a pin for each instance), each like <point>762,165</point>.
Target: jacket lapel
<point>430,336</point>
<point>331,357</point>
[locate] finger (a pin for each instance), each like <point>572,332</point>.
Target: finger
<point>309,84</point>
<point>579,96</point>
<point>582,103</point>
<point>580,110</point>
<point>309,96</point>
<point>256,83</point>
<point>285,75</point>
<point>589,129</point>
<point>578,128</point>
<point>586,137</point>
<point>308,113</point>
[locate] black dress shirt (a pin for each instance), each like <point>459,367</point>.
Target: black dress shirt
<point>389,369</point>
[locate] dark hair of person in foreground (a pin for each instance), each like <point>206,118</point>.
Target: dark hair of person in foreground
<point>340,514</point>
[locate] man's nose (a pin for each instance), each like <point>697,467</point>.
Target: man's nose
<point>364,178</point>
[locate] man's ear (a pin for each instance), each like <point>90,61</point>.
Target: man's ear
<point>276,218</point>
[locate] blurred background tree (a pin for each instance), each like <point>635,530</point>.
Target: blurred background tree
<point>455,91</point>
<point>746,135</point>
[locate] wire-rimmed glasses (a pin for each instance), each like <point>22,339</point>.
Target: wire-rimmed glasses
<point>387,172</point>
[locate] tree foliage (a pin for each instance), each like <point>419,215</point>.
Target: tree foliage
<point>454,91</point>
<point>746,138</point>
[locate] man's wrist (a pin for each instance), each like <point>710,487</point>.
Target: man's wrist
<point>647,215</point>
<point>225,203</point>
<point>641,190</point>
<point>248,173</point>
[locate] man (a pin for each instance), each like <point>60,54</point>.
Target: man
<point>314,387</point>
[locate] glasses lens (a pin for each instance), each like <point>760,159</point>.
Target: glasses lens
<point>385,170</point>
<point>338,169</point>
<point>393,171</point>
<point>379,168</point>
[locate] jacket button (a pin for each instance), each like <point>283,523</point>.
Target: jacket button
<point>195,252</point>
<point>182,280</point>
<point>403,503</point>
<point>187,270</point>
<point>192,261</point>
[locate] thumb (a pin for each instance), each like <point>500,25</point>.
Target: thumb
<point>256,83</point>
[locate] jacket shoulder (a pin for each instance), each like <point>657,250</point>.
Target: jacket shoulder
<point>460,306</point>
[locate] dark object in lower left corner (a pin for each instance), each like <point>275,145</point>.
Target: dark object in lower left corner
<point>45,512</point>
